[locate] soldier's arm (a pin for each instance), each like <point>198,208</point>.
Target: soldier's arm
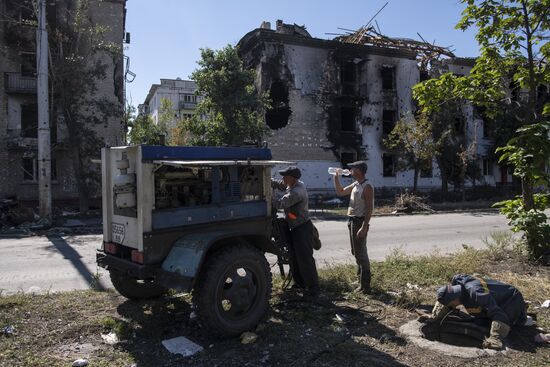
<point>341,191</point>
<point>278,184</point>
<point>289,199</point>
<point>487,302</point>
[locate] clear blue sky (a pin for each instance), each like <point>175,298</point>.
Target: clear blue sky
<point>167,34</point>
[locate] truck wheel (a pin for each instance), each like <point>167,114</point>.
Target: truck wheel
<point>232,293</point>
<point>133,288</point>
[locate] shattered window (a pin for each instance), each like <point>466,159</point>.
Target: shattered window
<point>424,75</point>
<point>487,129</point>
<point>388,77</point>
<point>29,120</point>
<point>388,165</point>
<point>347,115</point>
<point>427,170</point>
<point>346,158</point>
<point>349,78</point>
<point>388,121</point>
<point>28,64</point>
<point>30,169</point>
<point>459,125</point>
<point>28,165</point>
<point>487,167</point>
<point>277,117</point>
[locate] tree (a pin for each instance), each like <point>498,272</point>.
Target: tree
<point>512,36</point>
<point>413,143</point>
<point>78,49</point>
<point>231,112</point>
<point>143,130</point>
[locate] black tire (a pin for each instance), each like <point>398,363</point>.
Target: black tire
<point>133,288</point>
<point>233,291</point>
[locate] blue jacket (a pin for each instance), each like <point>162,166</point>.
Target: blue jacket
<point>487,298</point>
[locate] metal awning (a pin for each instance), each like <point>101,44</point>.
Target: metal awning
<point>219,163</point>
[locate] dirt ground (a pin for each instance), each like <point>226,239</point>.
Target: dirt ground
<point>339,328</point>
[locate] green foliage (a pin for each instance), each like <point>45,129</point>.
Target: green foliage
<point>80,57</point>
<point>144,131</point>
<point>533,223</point>
<point>412,141</point>
<point>512,35</point>
<point>502,245</point>
<point>231,112</point>
<point>529,152</point>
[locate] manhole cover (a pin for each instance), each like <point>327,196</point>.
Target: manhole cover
<point>456,339</point>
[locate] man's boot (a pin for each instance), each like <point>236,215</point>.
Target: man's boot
<point>364,282</point>
<point>499,331</point>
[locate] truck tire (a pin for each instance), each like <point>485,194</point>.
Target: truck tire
<point>233,290</point>
<point>133,288</point>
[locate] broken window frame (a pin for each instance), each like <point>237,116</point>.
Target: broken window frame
<point>32,165</point>
<point>388,121</point>
<point>348,123</point>
<point>29,120</point>
<point>388,171</point>
<point>388,77</point>
<point>486,164</point>
<point>278,116</point>
<point>348,77</point>
<point>347,157</point>
<point>428,170</point>
<point>28,64</point>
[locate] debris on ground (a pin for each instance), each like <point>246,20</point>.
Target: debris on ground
<point>409,203</point>
<point>181,345</point>
<point>8,330</point>
<point>334,201</point>
<point>248,337</point>
<point>546,304</point>
<point>338,318</point>
<point>80,362</point>
<point>109,338</point>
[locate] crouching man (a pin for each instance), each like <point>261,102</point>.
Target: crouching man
<point>487,299</point>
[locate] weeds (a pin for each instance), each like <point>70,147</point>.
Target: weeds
<point>502,245</point>
<point>122,328</point>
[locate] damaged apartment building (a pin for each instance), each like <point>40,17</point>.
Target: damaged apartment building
<point>333,101</point>
<point>18,96</point>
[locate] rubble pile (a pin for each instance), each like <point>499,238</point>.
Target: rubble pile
<point>409,203</point>
<point>17,220</point>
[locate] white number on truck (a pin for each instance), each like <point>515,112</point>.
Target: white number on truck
<point>118,233</point>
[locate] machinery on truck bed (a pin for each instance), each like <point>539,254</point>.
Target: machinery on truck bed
<point>196,219</point>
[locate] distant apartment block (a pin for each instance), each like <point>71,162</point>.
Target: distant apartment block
<point>180,93</point>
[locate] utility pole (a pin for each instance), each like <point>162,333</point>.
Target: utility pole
<point>44,148</point>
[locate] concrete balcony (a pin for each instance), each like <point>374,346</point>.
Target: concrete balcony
<point>187,105</point>
<point>18,83</point>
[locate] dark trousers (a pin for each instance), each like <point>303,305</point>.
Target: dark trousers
<point>359,251</point>
<point>302,263</point>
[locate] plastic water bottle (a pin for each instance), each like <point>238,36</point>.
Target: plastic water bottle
<point>334,170</point>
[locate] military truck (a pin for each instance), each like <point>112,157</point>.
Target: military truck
<point>194,219</point>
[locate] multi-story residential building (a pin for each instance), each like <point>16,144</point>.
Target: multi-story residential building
<point>18,97</point>
<point>180,93</point>
<point>334,102</point>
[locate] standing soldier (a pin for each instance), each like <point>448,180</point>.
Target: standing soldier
<point>295,204</point>
<point>361,205</point>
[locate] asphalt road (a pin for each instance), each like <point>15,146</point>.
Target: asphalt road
<point>42,264</point>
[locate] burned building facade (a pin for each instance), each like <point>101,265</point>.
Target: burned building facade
<point>334,102</point>
<point>18,96</point>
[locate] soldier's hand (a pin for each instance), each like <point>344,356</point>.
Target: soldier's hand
<point>427,319</point>
<point>493,342</point>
